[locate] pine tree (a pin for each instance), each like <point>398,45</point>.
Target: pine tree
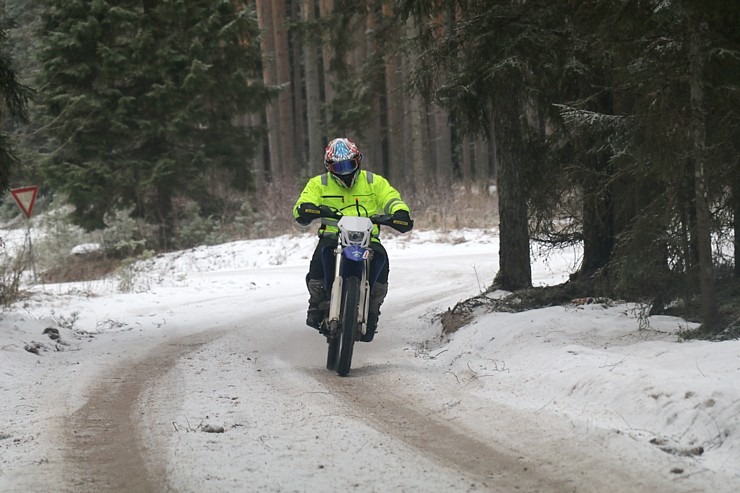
<point>143,100</point>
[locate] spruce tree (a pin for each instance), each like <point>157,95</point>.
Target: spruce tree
<point>24,45</point>
<point>645,139</point>
<point>144,100</point>
<point>497,69</point>
<point>667,131</point>
<point>14,98</point>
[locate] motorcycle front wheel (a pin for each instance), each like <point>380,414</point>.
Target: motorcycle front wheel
<point>349,318</point>
<point>332,354</point>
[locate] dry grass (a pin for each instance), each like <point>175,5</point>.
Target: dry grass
<point>76,268</point>
<point>440,209</point>
<point>12,269</point>
<point>454,208</point>
<point>269,213</point>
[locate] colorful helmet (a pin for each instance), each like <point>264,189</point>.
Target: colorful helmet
<point>342,161</point>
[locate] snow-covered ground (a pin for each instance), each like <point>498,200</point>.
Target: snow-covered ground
<point>193,371</point>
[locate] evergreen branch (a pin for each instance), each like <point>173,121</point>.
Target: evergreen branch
<point>578,117</point>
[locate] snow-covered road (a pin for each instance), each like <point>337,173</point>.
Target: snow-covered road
<point>206,380</point>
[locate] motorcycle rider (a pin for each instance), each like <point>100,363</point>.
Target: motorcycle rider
<point>352,191</point>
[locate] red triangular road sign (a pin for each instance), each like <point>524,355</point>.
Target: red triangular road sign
<point>25,197</point>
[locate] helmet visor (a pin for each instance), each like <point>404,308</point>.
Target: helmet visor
<point>344,167</point>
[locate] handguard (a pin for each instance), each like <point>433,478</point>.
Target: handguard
<point>401,221</point>
<point>307,212</point>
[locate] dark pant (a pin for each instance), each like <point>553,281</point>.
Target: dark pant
<point>316,268</point>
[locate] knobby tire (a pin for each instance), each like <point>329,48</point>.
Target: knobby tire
<point>350,306</point>
<point>332,356</point>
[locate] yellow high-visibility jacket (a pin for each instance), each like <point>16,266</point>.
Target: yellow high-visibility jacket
<point>371,193</point>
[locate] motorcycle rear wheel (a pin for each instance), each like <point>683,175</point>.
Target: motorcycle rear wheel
<point>349,317</point>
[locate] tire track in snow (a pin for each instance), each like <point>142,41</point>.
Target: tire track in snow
<point>491,467</point>
<point>103,447</point>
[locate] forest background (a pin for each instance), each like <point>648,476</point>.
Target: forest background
<point>159,125</point>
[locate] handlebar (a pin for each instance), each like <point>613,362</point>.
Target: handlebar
<point>380,219</point>
<point>307,212</point>
<point>326,211</point>
<point>383,220</point>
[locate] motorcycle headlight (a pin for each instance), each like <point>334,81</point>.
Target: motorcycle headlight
<point>355,236</point>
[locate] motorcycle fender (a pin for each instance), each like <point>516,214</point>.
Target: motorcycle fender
<point>356,253</point>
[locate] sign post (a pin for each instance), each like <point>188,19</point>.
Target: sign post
<point>25,198</point>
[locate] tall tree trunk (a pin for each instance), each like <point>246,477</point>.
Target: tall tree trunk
<point>269,76</point>
<point>481,163</point>
<point>313,96</point>
<point>515,271</point>
<point>598,224</point>
<point>698,137</point>
<point>394,104</point>
<point>442,147</point>
<point>405,154</point>
<point>440,125</point>
<point>297,84</point>
<point>282,57</point>
<point>493,162</point>
<point>417,166</point>
<point>416,127</point>
<point>326,7</point>
<point>374,145</point>
<point>598,201</point>
<point>427,138</point>
<point>466,163</point>
<point>255,120</point>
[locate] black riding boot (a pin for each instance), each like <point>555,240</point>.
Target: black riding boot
<point>317,303</point>
<point>373,313</point>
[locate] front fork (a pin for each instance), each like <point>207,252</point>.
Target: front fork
<point>335,303</point>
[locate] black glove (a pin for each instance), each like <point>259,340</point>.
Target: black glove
<point>307,212</point>
<point>327,211</point>
<point>402,221</point>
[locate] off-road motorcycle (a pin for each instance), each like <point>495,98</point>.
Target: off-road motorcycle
<point>349,277</point>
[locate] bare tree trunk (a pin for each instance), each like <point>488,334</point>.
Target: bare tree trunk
<point>493,167</point>
<point>427,138</point>
<point>326,7</point>
<point>442,146</point>
<point>466,164</point>
<point>598,190</point>
<point>416,144</point>
<point>394,105</point>
<point>416,124</point>
<point>313,96</point>
<point>297,84</point>
<point>703,217</point>
<point>374,145</point>
<point>598,227</point>
<point>269,76</point>
<point>515,271</point>
<point>258,164</point>
<point>440,128</point>
<point>481,162</point>
<point>285,101</point>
